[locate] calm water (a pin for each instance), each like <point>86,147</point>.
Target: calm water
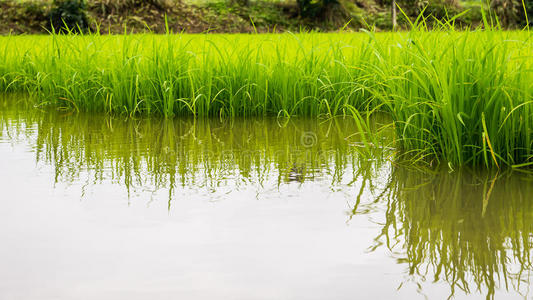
<point>96,207</point>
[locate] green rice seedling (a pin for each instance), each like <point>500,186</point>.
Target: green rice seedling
<point>454,97</point>
<point>464,97</point>
<point>171,75</point>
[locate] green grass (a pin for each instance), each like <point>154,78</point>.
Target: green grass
<point>457,97</point>
<point>203,75</point>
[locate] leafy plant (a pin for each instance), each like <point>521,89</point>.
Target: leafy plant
<point>69,16</point>
<point>320,9</point>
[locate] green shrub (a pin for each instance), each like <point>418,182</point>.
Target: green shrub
<point>315,9</point>
<point>69,16</point>
<point>442,9</point>
<point>511,12</point>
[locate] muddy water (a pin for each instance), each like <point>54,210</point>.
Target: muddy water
<point>96,207</point>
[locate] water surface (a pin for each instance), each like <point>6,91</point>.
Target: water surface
<point>99,207</point>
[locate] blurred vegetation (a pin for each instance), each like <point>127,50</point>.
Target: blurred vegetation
<point>232,16</point>
<point>68,15</point>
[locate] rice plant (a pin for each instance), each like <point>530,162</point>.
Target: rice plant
<point>459,98</point>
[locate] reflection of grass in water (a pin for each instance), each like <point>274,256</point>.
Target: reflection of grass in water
<point>462,227</point>
<point>187,152</point>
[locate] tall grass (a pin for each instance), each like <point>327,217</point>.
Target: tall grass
<point>466,97</point>
<point>454,97</point>
<point>171,75</point>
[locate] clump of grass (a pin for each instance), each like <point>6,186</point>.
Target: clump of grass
<point>171,75</point>
<point>465,97</point>
<point>457,97</point>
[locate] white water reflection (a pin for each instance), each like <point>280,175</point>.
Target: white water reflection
<point>89,211</point>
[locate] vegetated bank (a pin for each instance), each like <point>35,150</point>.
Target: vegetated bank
<point>242,16</point>
<point>465,97</point>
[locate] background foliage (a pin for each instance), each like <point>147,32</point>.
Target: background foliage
<point>232,16</point>
<point>69,15</point>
